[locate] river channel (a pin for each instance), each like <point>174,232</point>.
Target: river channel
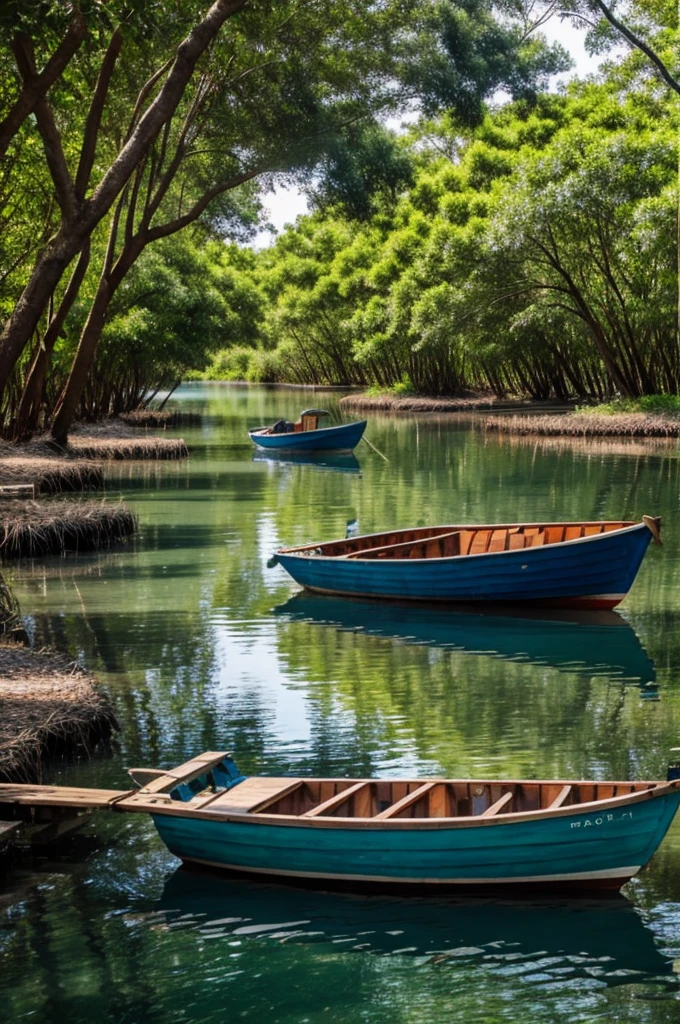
<point>202,646</point>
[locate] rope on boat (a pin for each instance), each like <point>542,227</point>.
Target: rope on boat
<point>376,450</point>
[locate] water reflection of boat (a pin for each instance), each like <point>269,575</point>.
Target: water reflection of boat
<point>341,462</point>
<point>606,936</point>
<point>592,643</point>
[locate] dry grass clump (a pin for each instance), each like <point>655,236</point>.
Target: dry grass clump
<point>47,704</point>
<point>30,528</point>
<point>583,425</point>
<point>115,440</point>
<point>590,446</point>
<point>128,448</point>
<point>419,403</point>
<point>36,464</point>
<point>161,418</point>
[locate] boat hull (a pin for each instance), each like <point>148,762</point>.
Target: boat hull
<point>598,849</point>
<point>592,572</point>
<point>341,439</point>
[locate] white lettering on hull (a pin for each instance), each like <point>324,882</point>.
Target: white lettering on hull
<point>602,819</point>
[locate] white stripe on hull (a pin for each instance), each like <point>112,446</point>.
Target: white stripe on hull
<point>576,876</point>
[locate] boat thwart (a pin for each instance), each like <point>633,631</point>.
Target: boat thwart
<point>586,564</point>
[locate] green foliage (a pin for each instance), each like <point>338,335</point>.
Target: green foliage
<point>541,263</point>
<point>663,405</point>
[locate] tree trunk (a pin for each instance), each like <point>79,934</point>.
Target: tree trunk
<point>29,407</point>
<point>72,234</point>
<point>73,389</point>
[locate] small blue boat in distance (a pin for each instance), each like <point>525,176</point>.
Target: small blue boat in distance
<point>422,833</point>
<point>586,564</point>
<point>307,436</point>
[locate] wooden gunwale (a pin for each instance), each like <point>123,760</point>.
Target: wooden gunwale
<point>653,790</point>
<point>402,544</point>
<point>356,556</point>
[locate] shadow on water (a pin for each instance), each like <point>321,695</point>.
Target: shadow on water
<point>335,461</point>
<point>603,938</point>
<point>590,643</point>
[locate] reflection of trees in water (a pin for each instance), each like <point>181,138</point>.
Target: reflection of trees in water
<point>206,947</point>
<point>472,715</point>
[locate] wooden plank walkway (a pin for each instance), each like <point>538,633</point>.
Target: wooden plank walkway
<point>60,796</point>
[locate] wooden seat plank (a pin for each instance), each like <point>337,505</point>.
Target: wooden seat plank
<point>466,539</point>
<point>335,801</point>
<point>560,798</point>
<point>516,541</point>
<point>498,806</point>
<point>554,534</point>
<point>405,801</point>
<point>573,532</point>
<point>592,531</point>
<point>185,772</point>
<point>480,542</point>
<point>252,795</point>
<point>498,540</point>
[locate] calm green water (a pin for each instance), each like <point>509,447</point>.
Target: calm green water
<point>203,647</point>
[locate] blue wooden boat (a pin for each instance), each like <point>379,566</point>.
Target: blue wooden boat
<point>307,436</point>
<point>422,833</point>
<point>587,564</point>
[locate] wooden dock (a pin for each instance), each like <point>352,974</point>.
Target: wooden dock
<point>41,814</point>
<point>44,813</point>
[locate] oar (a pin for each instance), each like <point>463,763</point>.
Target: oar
<point>376,450</point>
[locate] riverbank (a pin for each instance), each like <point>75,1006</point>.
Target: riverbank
<point>48,705</point>
<point>426,403</point>
<point>586,425</point>
<point>30,529</point>
<point>118,440</point>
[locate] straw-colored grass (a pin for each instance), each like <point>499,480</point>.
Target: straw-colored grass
<point>589,446</point>
<point>31,528</point>
<point>423,403</point>
<point>583,425</point>
<point>37,465</point>
<point>161,418</point>
<point>128,448</point>
<point>48,705</point>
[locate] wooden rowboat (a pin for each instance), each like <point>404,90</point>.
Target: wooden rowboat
<point>307,436</point>
<point>422,833</point>
<point>588,564</point>
<point>414,832</point>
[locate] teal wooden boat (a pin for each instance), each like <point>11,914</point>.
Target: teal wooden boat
<point>412,833</point>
